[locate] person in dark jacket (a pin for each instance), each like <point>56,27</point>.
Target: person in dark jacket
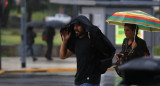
<point>30,36</point>
<point>49,32</point>
<point>133,47</point>
<point>90,46</point>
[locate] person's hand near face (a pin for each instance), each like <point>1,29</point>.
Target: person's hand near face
<point>65,35</point>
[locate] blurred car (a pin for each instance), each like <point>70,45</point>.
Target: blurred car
<point>59,17</point>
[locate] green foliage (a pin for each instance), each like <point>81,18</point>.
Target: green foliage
<point>157,50</point>
<point>10,36</point>
<point>13,12</point>
<point>36,5</point>
<point>15,33</point>
<point>39,16</point>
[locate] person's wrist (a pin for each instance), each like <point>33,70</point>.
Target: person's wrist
<point>65,41</point>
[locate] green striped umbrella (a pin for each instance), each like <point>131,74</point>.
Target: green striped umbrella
<point>142,19</point>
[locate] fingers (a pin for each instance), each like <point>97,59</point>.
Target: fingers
<point>66,35</point>
<point>117,57</point>
<point>89,35</point>
<point>118,54</point>
<point>65,32</point>
<point>122,54</point>
<point>69,33</point>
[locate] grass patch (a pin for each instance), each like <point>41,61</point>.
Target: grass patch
<point>13,36</point>
<point>8,39</point>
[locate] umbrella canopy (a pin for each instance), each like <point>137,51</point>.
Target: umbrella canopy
<point>35,24</point>
<point>54,24</point>
<point>143,71</point>
<point>142,19</point>
<point>146,64</point>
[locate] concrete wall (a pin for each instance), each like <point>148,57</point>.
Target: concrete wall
<point>9,50</point>
<point>98,14</point>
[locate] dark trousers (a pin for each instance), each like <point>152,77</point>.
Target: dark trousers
<point>49,49</point>
<point>30,48</point>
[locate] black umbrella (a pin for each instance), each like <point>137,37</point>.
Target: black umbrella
<point>144,70</point>
<point>147,64</point>
<point>54,24</point>
<point>35,24</point>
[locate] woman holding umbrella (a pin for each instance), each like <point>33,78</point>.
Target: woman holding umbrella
<point>132,47</point>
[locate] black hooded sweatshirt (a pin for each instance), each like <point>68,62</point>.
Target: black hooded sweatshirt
<point>94,55</point>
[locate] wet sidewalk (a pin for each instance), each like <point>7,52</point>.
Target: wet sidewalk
<point>57,67</point>
<point>13,64</point>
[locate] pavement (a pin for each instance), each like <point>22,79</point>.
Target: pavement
<point>44,73</point>
<point>13,65</point>
<point>62,68</point>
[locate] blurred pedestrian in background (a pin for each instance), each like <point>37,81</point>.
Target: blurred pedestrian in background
<point>132,47</point>
<point>93,50</point>
<point>48,36</point>
<point>30,36</point>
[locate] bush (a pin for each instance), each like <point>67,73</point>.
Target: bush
<point>157,50</point>
<point>14,32</point>
<point>13,36</point>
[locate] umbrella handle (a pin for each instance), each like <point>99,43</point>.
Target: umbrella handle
<point>129,52</point>
<point>135,34</point>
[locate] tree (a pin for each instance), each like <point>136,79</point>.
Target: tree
<point>5,15</point>
<point>35,5</point>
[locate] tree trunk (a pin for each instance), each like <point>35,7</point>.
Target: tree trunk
<point>6,13</point>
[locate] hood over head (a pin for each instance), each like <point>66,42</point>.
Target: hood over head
<point>80,20</point>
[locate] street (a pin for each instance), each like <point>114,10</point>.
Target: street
<point>48,79</point>
<point>36,80</point>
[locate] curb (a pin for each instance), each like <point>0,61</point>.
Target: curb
<point>44,70</point>
<point>38,70</point>
<point>2,71</point>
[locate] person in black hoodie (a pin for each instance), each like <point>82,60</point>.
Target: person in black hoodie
<point>94,52</point>
<point>30,41</point>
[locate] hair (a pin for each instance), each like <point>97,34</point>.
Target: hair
<point>80,24</point>
<point>29,28</point>
<point>132,27</point>
<point>49,27</point>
